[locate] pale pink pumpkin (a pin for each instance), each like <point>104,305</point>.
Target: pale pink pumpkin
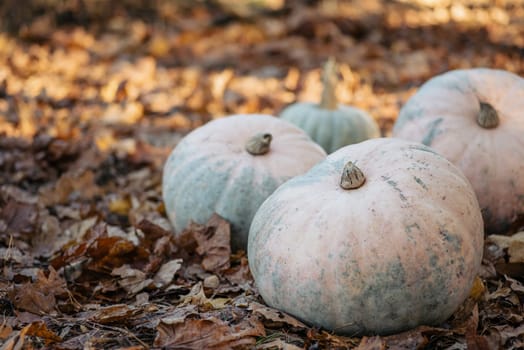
<point>229,166</point>
<point>475,118</point>
<point>380,237</point>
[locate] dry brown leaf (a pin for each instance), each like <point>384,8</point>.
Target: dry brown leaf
<point>213,241</point>
<point>5,331</point>
<point>50,238</point>
<point>117,313</point>
<point>210,333</point>
<point>275,317</point>
<point>473,340</point>
<point>211,281</point>
<point>70,186</point>
<point>508,333</point>
<point>25,318</point>
<point>325,339</point>
<point>120,205</point>
<point>278,344</point>
<point>412,339</point>
<point>39,329</point>
<point>239,274</point>
<point>372,343</point>
<point>132,280</point>
<point>515,285</point>
<point>34,300</point>
<point>15,342</point>
<point>129,114</point>
<point>16,217</point>
<point>197,297</point>
<point>179,314</point>
<point>152,232</point>
<point>514,244</point>
<point>40,297</point>
<point>516,249</point>
<point>478,289</point>
<point>167,271</point>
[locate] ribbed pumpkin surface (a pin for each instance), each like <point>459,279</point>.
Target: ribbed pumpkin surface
<point>210,171</point>
<point>400,251</point>
<point>443,115</point>
<point>332,128</point>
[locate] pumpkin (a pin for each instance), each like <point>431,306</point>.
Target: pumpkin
<point>229,166</point>
<point>380,237</point>
<point>330,124</point>
<point>474,118</point>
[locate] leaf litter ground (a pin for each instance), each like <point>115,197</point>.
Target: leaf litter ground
<point>94,95</point>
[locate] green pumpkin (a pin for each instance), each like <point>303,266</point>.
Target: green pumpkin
<point>328,123</point>
<point>229,166</point>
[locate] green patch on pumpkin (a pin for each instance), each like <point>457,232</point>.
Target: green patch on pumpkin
<point>420,182</point>
<point>433,132</point>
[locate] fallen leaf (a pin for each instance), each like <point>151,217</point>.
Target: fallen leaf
<point>324,339</point>
<point>209,333</point>
<point>372,343</point>
<point>120,206</point>
<point>71,186</point>
<point>275,317</point>
<point>508,333</point>
<point>503,241</point>
<point>516,248</point>
<point>128,113</point>
<point>16,217</point>
<point>278,344</point>
<point>213,241</point>
<point>515,285</point>
<point>166,273</point>
<point>179,314</point>
<point>15,342</point>
<point>50,238</point>
<point>152,232</point>
<point>132,280</point>
<point>40,330</point>
<point>5,331</point>
<point>211,282</point>
<point>478,289</point>
<point>197,297</point>
<point>473,340</point>
<point>117,313</point>
<point>40,297</point>
<point>239,274</point>
<point>412,339</point>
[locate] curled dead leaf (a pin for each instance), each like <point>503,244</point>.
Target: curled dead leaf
<point>167,272</point>
<point>209,333</point>
<point>132,280</point>
<point>372,343</point>
<point>117,313</point>
<point>40,330</point>
<point>40,297</point>
<point>514,244</point>
<point>213,241</point>
<point>17,217</point>
<point>275,318</point>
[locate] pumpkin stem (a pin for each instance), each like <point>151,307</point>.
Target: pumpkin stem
<point>329,81</point>
<point>352,177</point>
<point>488,117</point>
<point>259,144</point>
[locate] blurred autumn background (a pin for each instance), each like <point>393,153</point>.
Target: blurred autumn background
<point>95,93</point>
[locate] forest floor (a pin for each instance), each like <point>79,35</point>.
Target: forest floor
<point>95,94</point>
